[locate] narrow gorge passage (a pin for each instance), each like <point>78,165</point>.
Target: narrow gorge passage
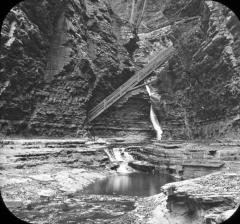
<point>120,111</point>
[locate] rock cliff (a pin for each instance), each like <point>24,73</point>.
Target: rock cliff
<point>199,97</point>
<point>57,63</point>
<point>60,58</point>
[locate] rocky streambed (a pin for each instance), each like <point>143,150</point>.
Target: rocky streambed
<point>74,181</point>
<point>38,176</point>
<point>45,181</point>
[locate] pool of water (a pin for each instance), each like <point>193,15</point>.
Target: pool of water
<point>133,184</point>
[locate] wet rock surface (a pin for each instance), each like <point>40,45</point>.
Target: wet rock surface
<point>34,172</point>
<point>142,165</point>
<point>210,199</point>
<point>76,208</point>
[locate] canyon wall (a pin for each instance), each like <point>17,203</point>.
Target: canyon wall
<point>54,62</point>
<point>199,87</point>
<point>59,64</point>
<point>208,64</point>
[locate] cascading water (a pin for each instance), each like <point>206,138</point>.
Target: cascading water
<point>127,156</point>
<point>153,116</point>
<point>111,158</point>
<point>119,155</point>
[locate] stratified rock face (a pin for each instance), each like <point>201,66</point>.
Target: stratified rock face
<point>61,58</point>
<point>56,55</point>
<point>24,45</point>
<point>129,116</point>
<point>206,64</point>
<point>91,56</point>
<point>199,86</point>
<point>203,200</point>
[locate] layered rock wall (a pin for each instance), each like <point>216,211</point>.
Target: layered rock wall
<point>197,88</point>
<point>61,63</point>
<point>78,57</point>
<point>24,45</point>
<point>207,63</point>
<point>186,161</point>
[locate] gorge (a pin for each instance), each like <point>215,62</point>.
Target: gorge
<point>120,111</point>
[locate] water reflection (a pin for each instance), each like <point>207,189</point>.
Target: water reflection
<point>134,184</point>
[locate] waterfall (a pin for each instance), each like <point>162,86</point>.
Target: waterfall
<point>127,156</point>
<point>111,158</point>
<point>155,123</point>
<point>153,116</point>
<point>119,155</point>
<point>124,168</point>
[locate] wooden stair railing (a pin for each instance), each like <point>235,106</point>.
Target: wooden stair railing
<point>158,60</point>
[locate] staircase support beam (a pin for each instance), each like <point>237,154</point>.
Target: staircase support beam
<point>158,60</point>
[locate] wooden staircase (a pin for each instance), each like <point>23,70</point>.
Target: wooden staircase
<point>158,60</point>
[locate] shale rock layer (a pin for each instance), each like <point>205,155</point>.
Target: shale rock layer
<point>61,58</point>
